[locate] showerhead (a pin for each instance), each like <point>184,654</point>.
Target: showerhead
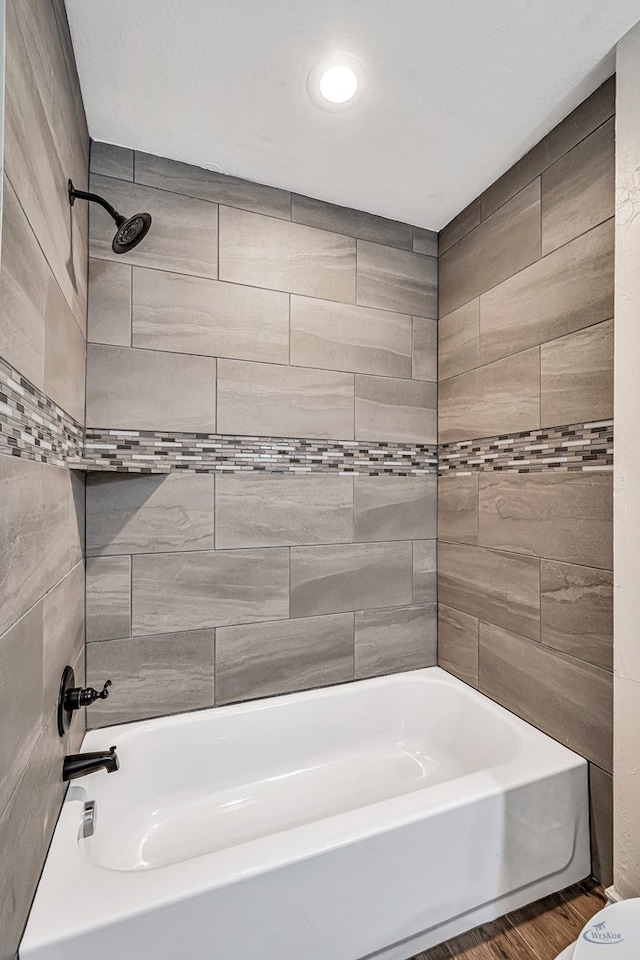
<point>131,230</point>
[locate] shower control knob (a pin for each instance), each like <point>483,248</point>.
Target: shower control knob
<point>79,697</point>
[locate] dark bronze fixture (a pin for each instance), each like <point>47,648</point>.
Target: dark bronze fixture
<point>80,764</point>
<point>72,698</point>
<point>131,230</point>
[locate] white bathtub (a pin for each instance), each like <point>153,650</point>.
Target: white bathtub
<point>373,819</point>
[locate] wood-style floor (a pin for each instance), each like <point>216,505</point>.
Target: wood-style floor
<point>537,932</point>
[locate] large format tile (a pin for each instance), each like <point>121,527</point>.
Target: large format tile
<point>578,190</point>
<point>601,817</point>
<point>128,513</point>
<point>589,115</point>
<point>347,337</point>
<point>21,686</point>
<point>63,632</point>
<point>188,591</point>
<point>559,516</point>
<point>459,340</point>
<point>108,598</point>
<point>183,236</point>
<point>501,397</point>
<point>262,399</point>
<point>353,223</point>
<point>35,539</point>
<point>395,508</point>
<point>425,574</point>
<point>397,280</point>
<point>23,292</point>
<point>396,639</point>
<point>264,252</point>
<point>269,510</point>
<point>424,350</point>
<point>458,644</point>
<point>458,507</point>
<point>395,410</point>
<point>183,314</point>
<point>334,579</point>
<point>109,307</point>
<point>264,659</point>
<point>570,700</point>
<point>149,390</point>
<point>567,290</point>
<point>151,676</point>
<point>65,354</point>
<point>576,376</point>
<point>462,224</point>
<point>210,185</point>
<point>109,160</point>
<point>577,611</point>
<point>496,249</point>
<point>503,588</point>
<point>425,242</point>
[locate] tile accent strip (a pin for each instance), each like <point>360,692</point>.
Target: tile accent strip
<point>32,426</point>
<point>579,446</point>
<point>147,451</point>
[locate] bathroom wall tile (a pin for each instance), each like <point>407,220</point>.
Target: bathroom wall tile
<point>334,579</point>
<point>567,290</point>
<point>550,691</point>
<point>65,354</point>
<point>502,588</point>
<point>63,632</point>
<point>425,576</point>
<point>128,513</point>
<point>425,349</point>
<point>264,659</point>
<point>424,241</point>
<point>398,410</point>
<point>502,397</point>
<point>109,309</point>
<point>21,686</point>
<point>577,611</point>
<point>210,185</point>
<point>462,224</point>
<point>151,676</point>
<point>77,481</point>
<point>458,508</point>
<point>397,280</point>
<point>264,252</point>
<point>577,376</point>
<point>128,389</point>
<point>578,190</point>
<point>269,510</point>
<point>458,644</point>
<point>393,640</point>
<point>579,124</point>
<point>189,591</point>
<point>496,249</point>
<point>23,292</point>
<point>353,223</point>
<point>193,315</point>
<point>601,817</point>
<point>183,236</point>
<point>347,337</point>
<point>34,533</point>
<point>395,508</point>
<point>108,586</point>
<point>558,516</point>
<point>269,400</point>
<point>109,160</point>
<point>459,340</point>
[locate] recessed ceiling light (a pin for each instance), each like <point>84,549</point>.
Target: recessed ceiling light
<point>337,82</point>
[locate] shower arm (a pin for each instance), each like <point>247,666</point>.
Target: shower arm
<point>94,198</point>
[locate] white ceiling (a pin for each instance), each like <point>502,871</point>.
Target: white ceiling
<point>457,89</point>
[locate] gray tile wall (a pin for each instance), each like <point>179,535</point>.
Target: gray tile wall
<point>43,291</point>
<point>248,311</point>
<point>526,342</point>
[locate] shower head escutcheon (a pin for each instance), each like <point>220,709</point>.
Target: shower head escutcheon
<point>131,230</point>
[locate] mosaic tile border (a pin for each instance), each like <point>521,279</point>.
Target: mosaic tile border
<point>579,446</point>
<point>32,426</point>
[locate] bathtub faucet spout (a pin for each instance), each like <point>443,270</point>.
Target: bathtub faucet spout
<point>80,764</point>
